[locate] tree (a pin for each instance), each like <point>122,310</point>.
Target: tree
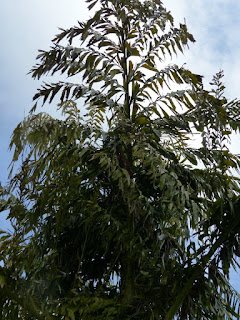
<point>116,215</point>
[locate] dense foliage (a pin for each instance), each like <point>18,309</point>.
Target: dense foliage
<point>117,214</point>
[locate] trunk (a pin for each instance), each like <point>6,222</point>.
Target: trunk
<point>128,263</point>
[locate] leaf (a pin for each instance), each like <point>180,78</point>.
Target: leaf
<point>142,120</point>
<point>191,157</point>
<point>2,281</point>
<point>71,314</point>
<point>92,5</point>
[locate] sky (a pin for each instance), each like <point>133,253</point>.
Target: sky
<point>29,25</point>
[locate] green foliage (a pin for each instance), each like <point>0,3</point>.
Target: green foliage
<point>116,214</point>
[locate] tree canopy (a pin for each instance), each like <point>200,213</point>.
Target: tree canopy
<point>117,213</point>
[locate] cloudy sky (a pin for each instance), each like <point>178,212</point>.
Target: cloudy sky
<point>29,25</point>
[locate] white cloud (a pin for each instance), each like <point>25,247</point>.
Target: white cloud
<point>215,25</point>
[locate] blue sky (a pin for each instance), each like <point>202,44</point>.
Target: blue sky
<point>29,25</point>
<point>26,27</point>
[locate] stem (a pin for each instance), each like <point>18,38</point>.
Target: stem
<point>125,75</point>
<point>130,269</point>
<point>124,155</point>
